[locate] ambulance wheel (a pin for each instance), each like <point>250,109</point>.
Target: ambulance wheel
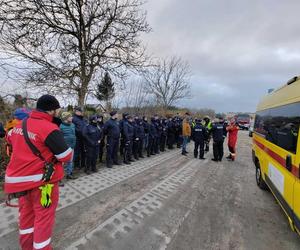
<point>259,180</point>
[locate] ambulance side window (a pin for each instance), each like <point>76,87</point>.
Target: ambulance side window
<point>280,125</point>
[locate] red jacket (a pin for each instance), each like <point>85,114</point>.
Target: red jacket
<point>25,170</point>
<point>232,135</point>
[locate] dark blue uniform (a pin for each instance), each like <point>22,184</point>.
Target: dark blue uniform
<point>152,138</point>
<point>112,131</point>
<point>140,133</point>
<point>136,139</point>
<point>2,131</point>
<point>146,129</point>
<point>158,127</point>
<point>199,134</point>
<point>79,150</point>
<point>102,142</point>
<point>170,134</point>
<point>218,140</point>
<point>128,134</point>
<point>164,133</point>
<point>92,136</point>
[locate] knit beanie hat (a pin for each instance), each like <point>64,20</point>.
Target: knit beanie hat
<point>47,103</point>
<point>65,115</point>
<point>112,113</point>
<point>21,113</point>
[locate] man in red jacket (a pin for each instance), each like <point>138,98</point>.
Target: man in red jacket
<point>25,173</point>
<point>232,130</point>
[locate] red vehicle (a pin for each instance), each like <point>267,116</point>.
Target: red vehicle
<point>243,120</point>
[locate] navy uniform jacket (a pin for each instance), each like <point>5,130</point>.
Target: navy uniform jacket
<point>79,123</point>
<point>112,129</point>
<point>146,126</point>
<point>92,135</point>
<point>140,131</point>
<point>199,133</point>
<point>218,132</point>
<point>152,130</point>
<point>128,131</point>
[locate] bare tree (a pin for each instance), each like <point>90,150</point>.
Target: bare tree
<point>136,96</point>
<point>66,43</point>
<point>168,81</point>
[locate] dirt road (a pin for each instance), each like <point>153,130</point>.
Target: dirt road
<point>167,202</point>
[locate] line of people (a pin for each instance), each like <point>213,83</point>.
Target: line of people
<point>132,138</point>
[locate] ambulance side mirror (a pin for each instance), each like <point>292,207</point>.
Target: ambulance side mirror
<point>288,163</point>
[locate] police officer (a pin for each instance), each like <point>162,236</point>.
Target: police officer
<point>218,140</point>
<point>122,141</point>
<point>135,144</point>
<point>158,126</point>
<point>92,137</point>
<point>178,131</point>
<point>128,134</point>
<point>146,129</point>
<point>164,133</point>
<point>208,125</point>
<point>198,136</point>
<point>112,131</point>
<point>170,133</point>
<point>100,123</point>
<point>141,136</point>
<point>152,138</point>
<point>79,151</point>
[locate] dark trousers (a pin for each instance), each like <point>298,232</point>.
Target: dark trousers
<point>156,145</point>
<point>101,150</point>
<point>112,148</point>
<point>150,146</point>
<point>163,140</point>
<point>122,146</point>
<point>218,150</point>
<point>141,147</point>
<point>199,147</point>
<point>170,140</point>
<point>79,153</point>
<point>91,157</point>
<point>127,151</point>
<point>135,148</point>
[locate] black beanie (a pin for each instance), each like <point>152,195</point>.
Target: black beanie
<point>112,113</point>
<point>47,103</point>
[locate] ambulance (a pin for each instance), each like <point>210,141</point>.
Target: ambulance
<point>276,148</point>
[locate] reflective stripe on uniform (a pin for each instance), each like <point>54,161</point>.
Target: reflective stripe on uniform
<point>41,244</point>
<point>26,231</point>
<point>64,154</point>
<point>20,179</point>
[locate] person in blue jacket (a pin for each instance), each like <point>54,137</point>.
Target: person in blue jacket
<point>100,122</point>
<point>199,134</point>
<point>79,151</point>
<point>112,131</point>
<point>218,140</point>
<point>2,131</point>
<point>141,135</point>
<point>128,135</point>
<point>153,134</point>
<point>92,136</point>
<point>68,130</point>
<point>136,138</point>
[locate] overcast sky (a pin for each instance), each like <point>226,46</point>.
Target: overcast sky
<point>237,49</point>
